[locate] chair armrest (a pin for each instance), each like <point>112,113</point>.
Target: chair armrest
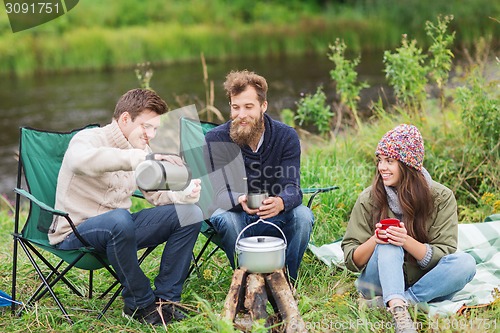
<point>39,203</point>
<point>138,194</point>
<point>53,211</point>
<point>316,190</point>
<point>319,189</point>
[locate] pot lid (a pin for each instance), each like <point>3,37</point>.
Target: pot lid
<point>260,244</point>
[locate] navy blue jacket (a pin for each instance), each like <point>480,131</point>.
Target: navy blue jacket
<point>274,168</point>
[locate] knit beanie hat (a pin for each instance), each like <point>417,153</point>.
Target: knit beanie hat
<point>405,144</point>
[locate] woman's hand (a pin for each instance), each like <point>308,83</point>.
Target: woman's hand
<point>397,235</point>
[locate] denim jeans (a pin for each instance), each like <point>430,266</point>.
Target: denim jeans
<point>119,234</point>
<point>296,224</point>
<point>383,276</point>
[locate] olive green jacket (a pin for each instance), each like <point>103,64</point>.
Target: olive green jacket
<point>442,228</point>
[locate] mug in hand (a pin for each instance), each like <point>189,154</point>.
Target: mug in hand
<point>254,199</point>
<point>386,223</point>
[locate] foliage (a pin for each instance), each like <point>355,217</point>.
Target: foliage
<point>103,35</point>
<point>345,78</point>
<point>288,117</point>
<point>406,72</point>
<point>313,109</point>
<point>144,73</point>
<point>477,146</point>
<point>480,110</point>
<point>441,61</point>
<point>472,17</point>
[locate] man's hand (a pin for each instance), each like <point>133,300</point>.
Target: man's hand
<point>242,200</point>
<point>174,159</point>
<point>194,189</point>
<point>271,207</point>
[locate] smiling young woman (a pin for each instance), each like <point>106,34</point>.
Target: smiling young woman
<point>407,265</point>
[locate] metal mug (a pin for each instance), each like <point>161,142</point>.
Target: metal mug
<point>254,200</point>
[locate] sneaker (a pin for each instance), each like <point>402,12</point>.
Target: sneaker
<point>148,315</point>
<point>371,303</point>
<point>171,310</point>
<point>402,320</point>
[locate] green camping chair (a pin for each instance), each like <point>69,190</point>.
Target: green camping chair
<point>40,157</point>
<point>192,142</point>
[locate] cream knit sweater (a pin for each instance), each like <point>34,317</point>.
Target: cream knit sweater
<point>97,176</point>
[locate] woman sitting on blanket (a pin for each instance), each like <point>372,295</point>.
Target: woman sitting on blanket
<point>415,262</point>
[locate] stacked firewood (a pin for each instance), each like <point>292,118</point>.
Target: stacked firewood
<point>249,295</point>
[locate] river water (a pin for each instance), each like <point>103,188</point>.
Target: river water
<point>65,101</point>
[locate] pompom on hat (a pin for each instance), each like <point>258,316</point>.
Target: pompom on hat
<point>405,144</point>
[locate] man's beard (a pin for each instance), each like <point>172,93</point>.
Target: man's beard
<point>246,135</point>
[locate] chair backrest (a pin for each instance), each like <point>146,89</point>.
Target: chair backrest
<point>40,158</point>
<point>192,143</point>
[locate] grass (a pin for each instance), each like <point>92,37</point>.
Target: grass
<point>326,296</point>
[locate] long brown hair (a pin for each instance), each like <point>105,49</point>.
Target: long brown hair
<point>414,196</point>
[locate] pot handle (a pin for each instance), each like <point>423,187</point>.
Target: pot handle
<point>254,223</point>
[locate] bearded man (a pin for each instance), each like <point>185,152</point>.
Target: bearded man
<point>270,153</point>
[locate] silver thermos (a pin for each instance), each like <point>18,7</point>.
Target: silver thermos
<point>156,175</point>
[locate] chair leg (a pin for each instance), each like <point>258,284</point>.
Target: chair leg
<point>118,291</point>
<point>108,305</point>
<point>213,252</point>
<point>14,276</point>
<point>47,285</point>
<point>91,283</point>
<point>196,259</point>
<point>59,276</point>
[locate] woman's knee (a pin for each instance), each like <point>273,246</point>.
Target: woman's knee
<point>389,250</point>
<point>466,262</point>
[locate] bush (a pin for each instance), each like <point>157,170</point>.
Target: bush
<point>313,109</point>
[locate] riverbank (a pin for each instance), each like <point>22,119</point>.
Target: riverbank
<point>97,36</point>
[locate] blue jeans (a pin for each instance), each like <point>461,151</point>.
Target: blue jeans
<point>295,224</point>
<point>383,276</point>
<point>119,234</point>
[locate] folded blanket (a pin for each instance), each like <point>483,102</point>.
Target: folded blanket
<point>481,240</point>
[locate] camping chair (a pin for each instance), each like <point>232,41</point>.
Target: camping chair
<point>192,142</point>
<point>40,157</point>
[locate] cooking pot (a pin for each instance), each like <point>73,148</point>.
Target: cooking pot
<point>260,254</point>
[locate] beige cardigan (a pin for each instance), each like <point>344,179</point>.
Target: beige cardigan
<point>97,176</point>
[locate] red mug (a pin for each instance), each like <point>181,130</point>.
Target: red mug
<point>386,223</point>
